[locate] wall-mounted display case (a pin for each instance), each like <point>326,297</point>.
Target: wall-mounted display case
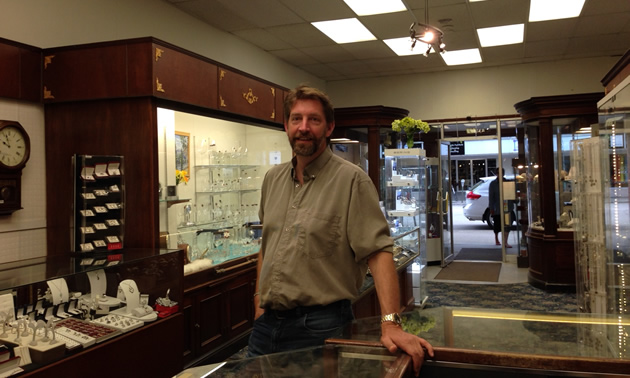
<point>55,308</point>
<point>98,217</point>
<point>405,207</point>
<point>551,123</point>
<point>214,215</point>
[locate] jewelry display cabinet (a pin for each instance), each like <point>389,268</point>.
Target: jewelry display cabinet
<point>601,218</point>
<point>405,206</point>
<point>550,124</point>
<point>98,218</point>
<point>67,322</point>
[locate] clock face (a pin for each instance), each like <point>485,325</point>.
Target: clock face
<point>13,146</point>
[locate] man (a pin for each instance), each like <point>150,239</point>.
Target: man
<point>496,210</point>
<point>322,228</point>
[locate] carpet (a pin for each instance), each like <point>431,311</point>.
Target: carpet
<point>486,254</point>
<point>518,296</point>
<point>470,271</point>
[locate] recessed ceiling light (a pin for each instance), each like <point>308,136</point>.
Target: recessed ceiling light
<point>544,10</point>
<point>346,30</point>
<point>402,46</point>
<point>368,7</point>
<point>454,58</point>
<point>501,35</point>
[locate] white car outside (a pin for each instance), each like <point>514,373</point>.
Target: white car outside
<point>476,206</point>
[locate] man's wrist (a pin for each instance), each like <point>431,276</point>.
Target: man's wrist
<point>393,318</point>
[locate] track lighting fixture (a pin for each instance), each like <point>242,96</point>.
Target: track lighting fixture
<point>427,34</point>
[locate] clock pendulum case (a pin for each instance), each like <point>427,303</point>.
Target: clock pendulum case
<point>15,150</point>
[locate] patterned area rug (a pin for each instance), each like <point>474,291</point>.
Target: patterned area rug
<point>521,296</point>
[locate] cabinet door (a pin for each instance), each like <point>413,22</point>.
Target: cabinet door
<point>191,327</point>
<point>240,303</point>
<point>212,317</point>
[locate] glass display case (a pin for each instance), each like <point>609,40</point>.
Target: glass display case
<point>405,208</point>
<point>56,307</point>
<point>211,172</point>
<point>602,218</point>
<point>550,124</point>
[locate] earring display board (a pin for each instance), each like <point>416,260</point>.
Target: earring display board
<point>99,196</point>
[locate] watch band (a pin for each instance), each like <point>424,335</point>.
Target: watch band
<point>393,317</point>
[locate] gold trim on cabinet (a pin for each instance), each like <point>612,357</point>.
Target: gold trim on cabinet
<point>158,85</point>
<point>47,93</point>
<point>221,102</point>
<point>158,53</point>
<point>273,92</point>
<point>249,97</point>
<point>273,115</point>
<point>48,60</point>
<point>221,75</point>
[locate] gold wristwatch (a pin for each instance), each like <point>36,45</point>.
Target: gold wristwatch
<point>394,318</point>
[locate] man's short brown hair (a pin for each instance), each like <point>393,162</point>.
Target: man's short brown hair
<point>304,92</point>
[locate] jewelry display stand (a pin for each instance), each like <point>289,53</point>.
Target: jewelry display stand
<point>128,289</point>
<point>59,291</point>
<point>98,288</point>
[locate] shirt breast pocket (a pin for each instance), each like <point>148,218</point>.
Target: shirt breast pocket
<point>320,235</point>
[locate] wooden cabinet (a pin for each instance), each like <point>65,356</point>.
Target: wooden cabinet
<point>20,71</point>
<point>218,310</point>
<point>550,123</point>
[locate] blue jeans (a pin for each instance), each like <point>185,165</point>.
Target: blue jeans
<point>301,327</point>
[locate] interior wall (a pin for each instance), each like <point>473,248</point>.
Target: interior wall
<point>473,92</point>
<point>23,233</point>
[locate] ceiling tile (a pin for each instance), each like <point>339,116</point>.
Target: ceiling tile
<point>294,56</point>
<point>546,30</point>
<point>263,39</point>
<point>331,53</point>
<point>300,35</point>
<point>262,13</point>
<point>319,10</point>
<point>487,14</point>
<point>370,50</point>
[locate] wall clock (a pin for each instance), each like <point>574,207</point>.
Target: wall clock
<point>15,150</point>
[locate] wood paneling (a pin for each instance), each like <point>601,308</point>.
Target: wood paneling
<point>246,96</point>
<point>86,73</point>
<point>184,78</point>
<point>125,127</point>
<point>20,71</point>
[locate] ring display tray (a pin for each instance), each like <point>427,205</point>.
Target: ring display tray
<point>123,312</point>
<point>121,323</point>
<point>84,332</point>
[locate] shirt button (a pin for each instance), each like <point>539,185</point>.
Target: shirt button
<point>294,207</point>
<point>297,185</point>
<point>287,229</point>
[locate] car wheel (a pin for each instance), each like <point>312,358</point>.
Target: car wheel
<point>489,219</point>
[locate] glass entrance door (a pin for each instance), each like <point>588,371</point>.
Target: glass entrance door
<point>446,203</point>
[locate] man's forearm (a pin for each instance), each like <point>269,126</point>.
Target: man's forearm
<point>386,281</point>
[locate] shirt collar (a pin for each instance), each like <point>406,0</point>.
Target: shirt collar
<point>314,167</point>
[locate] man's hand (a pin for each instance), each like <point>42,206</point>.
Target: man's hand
<point>394,338</point>
<point>258,313</point>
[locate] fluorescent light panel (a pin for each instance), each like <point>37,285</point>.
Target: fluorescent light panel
<point>544,10</point>
<point>346,30</point>
<point>501,35</point>
<point>402,46</point>
<point>454,58</point>
<point>368,7</point>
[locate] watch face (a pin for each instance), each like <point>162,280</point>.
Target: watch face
<point>13,146</point>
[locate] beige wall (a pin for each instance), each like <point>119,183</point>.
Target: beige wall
<point>473,92</point>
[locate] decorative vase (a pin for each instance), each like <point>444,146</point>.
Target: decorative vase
<point>410,141</point>
<point>171,192</point>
